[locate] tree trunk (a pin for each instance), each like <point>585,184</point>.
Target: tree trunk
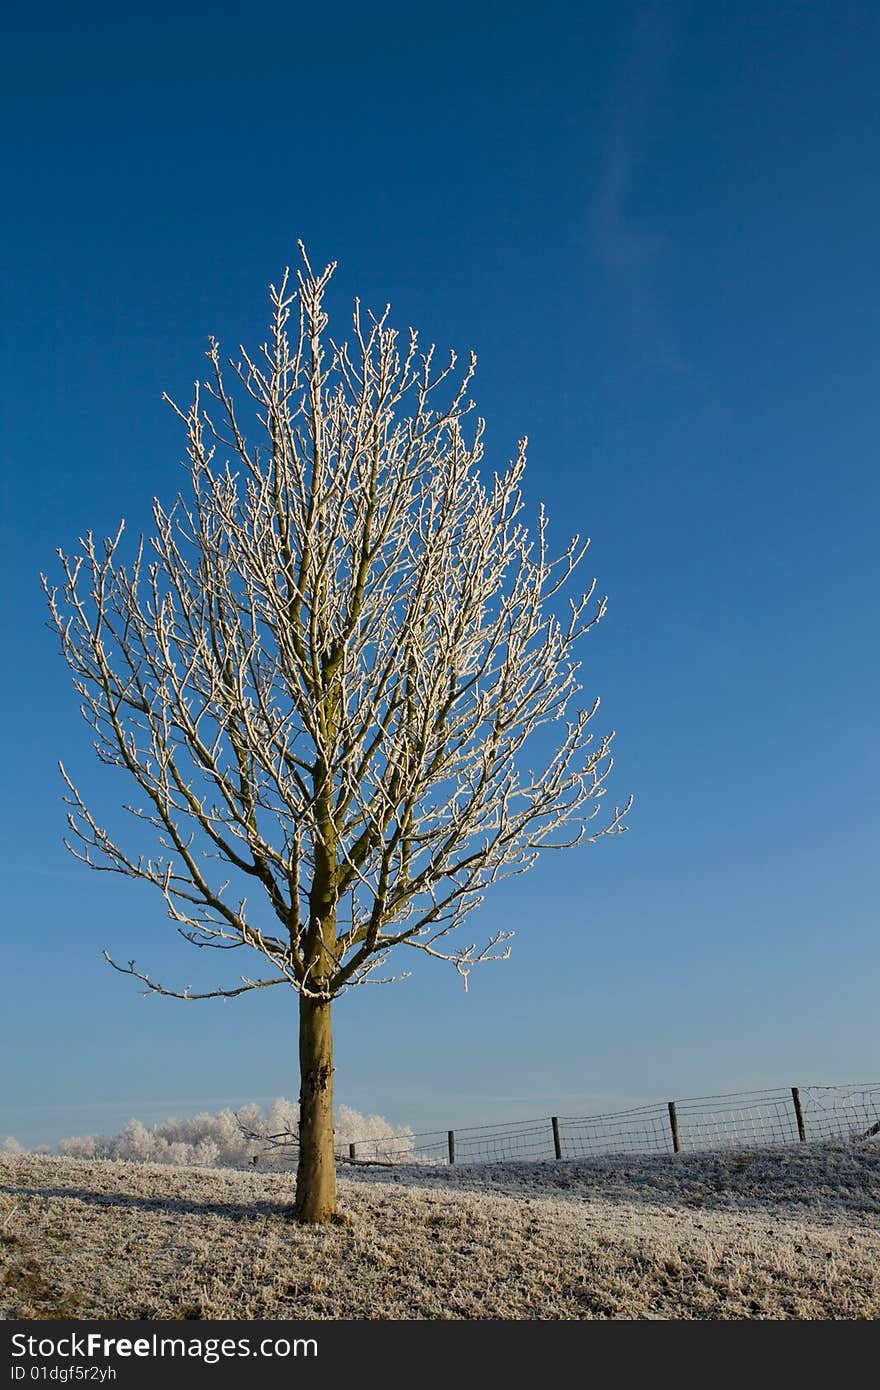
<point>316,1172</point>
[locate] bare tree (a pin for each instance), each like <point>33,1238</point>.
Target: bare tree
<point>322,672</point>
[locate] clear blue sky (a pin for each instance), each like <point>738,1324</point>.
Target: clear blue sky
<point>656,225</point>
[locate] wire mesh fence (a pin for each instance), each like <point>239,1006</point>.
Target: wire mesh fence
<point>831,1112</point>
<point>752,1117</point>
<point>642,1130</point>
<point>742,1119</point>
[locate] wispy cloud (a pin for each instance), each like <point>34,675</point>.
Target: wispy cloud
<point>629,251</point>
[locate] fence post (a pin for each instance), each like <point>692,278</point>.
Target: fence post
<point>351,1152</point>
<point>673,1125</point>
<point>451,1138</point>
<point>799,1114</point>
<point>554,1120</point>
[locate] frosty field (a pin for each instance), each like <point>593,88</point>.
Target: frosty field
<point>775,1233</point>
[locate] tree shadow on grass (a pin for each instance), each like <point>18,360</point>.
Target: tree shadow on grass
<point>174,1206</point>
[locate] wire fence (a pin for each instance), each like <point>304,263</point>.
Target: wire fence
<point>743,1119</point>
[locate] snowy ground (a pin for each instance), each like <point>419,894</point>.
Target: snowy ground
<point>775,1233</point>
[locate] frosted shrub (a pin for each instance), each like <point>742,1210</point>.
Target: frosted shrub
<point>136,1144</point>
<point>210,1139</point>
<point>85,1146</point>
<point>275,1135</point>
<point>373,1136</point>
<point>236,1139</point>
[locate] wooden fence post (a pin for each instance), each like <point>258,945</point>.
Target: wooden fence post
<point>351,1152</point>
<point>554,1120</point>
<point>799,1114</point>
<point>451,1138</point>
<point>673,1125</point>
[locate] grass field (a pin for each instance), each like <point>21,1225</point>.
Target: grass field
<point>776,1233</point>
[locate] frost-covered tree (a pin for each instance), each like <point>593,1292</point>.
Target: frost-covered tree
<point>236,1139</point>
<point>323,673</point>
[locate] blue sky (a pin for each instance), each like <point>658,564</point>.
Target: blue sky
<point>655,224</point>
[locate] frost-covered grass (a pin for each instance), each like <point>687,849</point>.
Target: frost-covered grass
<point>775,1233</point>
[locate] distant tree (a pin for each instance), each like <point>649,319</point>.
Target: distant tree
<point>322,674</point>
<point>235,1139</point>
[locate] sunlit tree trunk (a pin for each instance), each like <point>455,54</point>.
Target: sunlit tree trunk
<point>316,1172</point>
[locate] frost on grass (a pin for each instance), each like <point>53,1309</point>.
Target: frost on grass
<point>774,1233</point>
